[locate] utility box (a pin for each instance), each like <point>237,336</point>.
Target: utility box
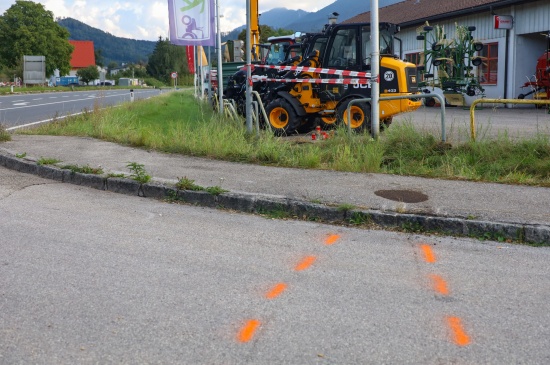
<point>125,81</point>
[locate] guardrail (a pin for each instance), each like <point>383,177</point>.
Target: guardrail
<point>375,124</point>
<point>498,101</point>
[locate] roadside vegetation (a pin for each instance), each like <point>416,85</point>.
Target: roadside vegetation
<point>176,123</point>
<point>4,135</point>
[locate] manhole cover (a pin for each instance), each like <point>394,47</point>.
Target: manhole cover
<point>405,196</point>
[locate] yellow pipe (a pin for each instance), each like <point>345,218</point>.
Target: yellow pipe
<point>498,101</point>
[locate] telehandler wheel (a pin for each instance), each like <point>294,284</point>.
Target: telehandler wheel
<point>327,121</point>
<point>282,117</point>
<point>360,115</point>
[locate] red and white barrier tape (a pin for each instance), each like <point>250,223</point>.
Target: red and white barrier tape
<point>314,81</point>
<point>326,71</point>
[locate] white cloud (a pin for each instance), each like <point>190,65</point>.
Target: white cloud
<point>146,19</point>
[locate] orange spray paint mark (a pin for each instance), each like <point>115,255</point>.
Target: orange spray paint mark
<point>305,263</point>
<point>248,330</point>
<point>460,336</point>
<point>332,239</point>
<point>276,291</point>
<point>428,253</point>
<point>439,284</point>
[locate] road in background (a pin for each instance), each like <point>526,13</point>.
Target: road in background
<point>89,276</point>
<point>23,109</point>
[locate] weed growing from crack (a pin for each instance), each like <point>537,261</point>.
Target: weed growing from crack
<point>47,161</point>
<point>138,172</point>
<point>111,175</point>
<point>215,190</point>
<point>346,207</point>
<point>187,184</point>
<point>84,169</point>
<point>359,218</point>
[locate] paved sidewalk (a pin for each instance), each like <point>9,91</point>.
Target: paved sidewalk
<point>456,202</point>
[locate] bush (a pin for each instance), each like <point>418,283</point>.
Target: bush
<point>153,82</point>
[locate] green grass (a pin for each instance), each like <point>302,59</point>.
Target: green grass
<point>4,135</point>
<point>177,123</point>
<point>47,161</point>
<point>84,169</point>
<point>187,184</point>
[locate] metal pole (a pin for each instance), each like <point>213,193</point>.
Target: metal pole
<point>195,74</point>
<point>499,101</point>
<point>248,71</point>
<point>400,97</point>
<point>209,74</point>
<point>201,75</point>
<point>375,69</point>
<point>219,46</point>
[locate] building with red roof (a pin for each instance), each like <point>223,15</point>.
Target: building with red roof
<point>82,56</point>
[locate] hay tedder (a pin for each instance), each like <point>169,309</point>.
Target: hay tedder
<point>539,83</point>
<point>448,64</point>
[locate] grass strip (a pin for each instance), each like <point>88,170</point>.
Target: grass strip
<point>177,123</point>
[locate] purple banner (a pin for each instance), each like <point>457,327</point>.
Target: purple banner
<point>192,22</point>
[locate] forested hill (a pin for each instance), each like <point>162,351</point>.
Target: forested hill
<point>117,49</point>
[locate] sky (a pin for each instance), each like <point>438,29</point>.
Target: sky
<point>148,19</point>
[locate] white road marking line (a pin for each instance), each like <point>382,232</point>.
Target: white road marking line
<point>42,121</point>
<point>56,102</point>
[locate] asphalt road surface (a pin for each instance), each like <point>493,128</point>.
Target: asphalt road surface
<point>88,276</point>
<point>31,109</point>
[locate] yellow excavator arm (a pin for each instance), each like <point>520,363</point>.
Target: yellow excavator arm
<point>255,30</point>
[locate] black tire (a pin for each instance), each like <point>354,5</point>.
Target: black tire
<point>282,117</point>
<point>327,122</point>
<point>360,115</point>
<point>385,123</point>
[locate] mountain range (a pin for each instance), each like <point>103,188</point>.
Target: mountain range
<point>124,50</point>
<point>314,22</point>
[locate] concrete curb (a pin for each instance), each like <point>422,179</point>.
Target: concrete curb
<point>255,203</point>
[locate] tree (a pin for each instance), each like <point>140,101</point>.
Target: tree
<point>27,28</point>
<point>265,32</point>
<point>167,58</point>
<point>88,74</point>
<point>99,57</point>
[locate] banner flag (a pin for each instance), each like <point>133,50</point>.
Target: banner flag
<point>192,22</point>
<point>191,59</point>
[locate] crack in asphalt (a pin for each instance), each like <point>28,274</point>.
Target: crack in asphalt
<point>15,190</point>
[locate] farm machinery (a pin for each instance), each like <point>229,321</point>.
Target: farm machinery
<point>448,64</point>
<point>540,82</point>
<point>300,99</point>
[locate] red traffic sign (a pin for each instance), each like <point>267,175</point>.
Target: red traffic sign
<point>174,75</point>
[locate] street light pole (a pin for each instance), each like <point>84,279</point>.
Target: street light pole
<point>220,73</point>
<point>248,70</point>
<point>375,69</point>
